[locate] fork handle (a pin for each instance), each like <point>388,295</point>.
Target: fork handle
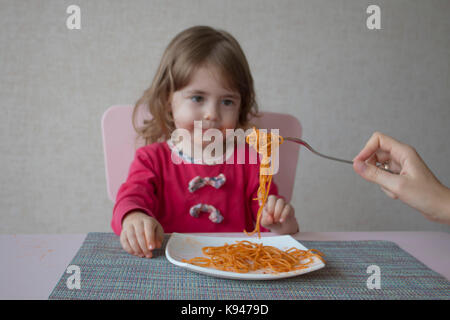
<point>304,143</point>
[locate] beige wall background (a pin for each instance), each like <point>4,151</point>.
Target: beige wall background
<point>313,59</point>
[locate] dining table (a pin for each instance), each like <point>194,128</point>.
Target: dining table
<point>33,264</point>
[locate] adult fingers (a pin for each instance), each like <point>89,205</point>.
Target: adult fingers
<point>372,159</point>
<point>379,156</point>
<point>375,160</point>
<point>377,175</point>
<point>389,193</point>
<point>384,157</point>
<point>382,142</point>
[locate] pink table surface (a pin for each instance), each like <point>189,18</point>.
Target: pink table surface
<point>31,265</point>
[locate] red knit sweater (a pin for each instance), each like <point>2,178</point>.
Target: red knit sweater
<point>157,186</point>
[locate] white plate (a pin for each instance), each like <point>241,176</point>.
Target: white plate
<point>185,246</point>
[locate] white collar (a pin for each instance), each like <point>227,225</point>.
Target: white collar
<point>188,159</point>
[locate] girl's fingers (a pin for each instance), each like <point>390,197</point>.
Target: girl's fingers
<point>148,229</point>
<point>286,213</point>
<point>131,236</point>
<point>140,235</point>
<point>279,206</point>
<point>160,236</point>
<point>267,217</point>
<point>270,203</point>
<point>124,241</point>
<point>155,235</point>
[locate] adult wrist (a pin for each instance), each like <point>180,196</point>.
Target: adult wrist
<point>442,213</point>
<point>446,207</point>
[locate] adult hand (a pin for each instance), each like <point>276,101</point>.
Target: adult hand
<point>412,181</point>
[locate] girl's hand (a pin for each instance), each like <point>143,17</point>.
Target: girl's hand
<point>279,216</point>
<point>141,234</point>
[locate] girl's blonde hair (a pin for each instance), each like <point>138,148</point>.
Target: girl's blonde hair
<point>192,48</point>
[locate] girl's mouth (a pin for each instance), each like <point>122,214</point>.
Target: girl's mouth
<point>204,130</point>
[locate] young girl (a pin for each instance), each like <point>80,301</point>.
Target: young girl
<point>203,76</point>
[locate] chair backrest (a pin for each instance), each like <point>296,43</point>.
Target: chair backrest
<point>119,145</point>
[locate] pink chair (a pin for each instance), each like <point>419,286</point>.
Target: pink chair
<point>119,147</point>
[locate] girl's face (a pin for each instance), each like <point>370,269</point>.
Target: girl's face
<point>205,99</point>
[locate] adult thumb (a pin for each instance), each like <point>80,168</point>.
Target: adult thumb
<point>377,175</point>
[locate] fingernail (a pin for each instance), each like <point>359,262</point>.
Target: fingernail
<point>150,246</point>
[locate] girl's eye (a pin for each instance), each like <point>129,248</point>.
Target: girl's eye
<point>197,98</point>
<point>228,102</point>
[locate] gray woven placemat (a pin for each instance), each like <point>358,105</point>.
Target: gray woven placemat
<point>108,272</point>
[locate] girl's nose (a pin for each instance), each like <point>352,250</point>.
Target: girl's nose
<point>211,112</point>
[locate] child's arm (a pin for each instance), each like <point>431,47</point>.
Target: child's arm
<point>136,209</point>
<point>138,192</point>
<point>279,216</point>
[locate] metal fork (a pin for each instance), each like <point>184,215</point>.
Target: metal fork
<point>383,166</point>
